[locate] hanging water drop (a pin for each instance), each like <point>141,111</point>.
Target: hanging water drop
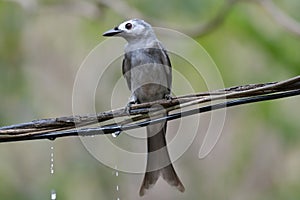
<point>52,138</point>
<point>116,134</point>
<point>53,195</point>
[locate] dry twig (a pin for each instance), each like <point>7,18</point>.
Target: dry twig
<point>280,17</point>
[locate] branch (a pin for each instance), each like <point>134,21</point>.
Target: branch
<point>277,14</point>
<point>215,22</point>
<point>122,8</point>
<point>281,17</point>
<point>139,117</point>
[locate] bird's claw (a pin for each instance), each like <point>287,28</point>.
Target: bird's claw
<point>128,108</point>
<point>132,100</point>
<point>168,97</point>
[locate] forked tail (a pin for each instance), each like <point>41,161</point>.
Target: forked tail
<point>158,160</point>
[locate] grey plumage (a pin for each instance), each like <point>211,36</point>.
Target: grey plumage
<point>147,70</point>
<point>148,73</point>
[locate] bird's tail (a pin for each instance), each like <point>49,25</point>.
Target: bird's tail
<point>158,160</point>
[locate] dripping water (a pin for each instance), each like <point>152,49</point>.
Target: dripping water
<point>52,192</point>
<point>53,195</point>
<point>117,186</point>
<point>52,160</point>
<point>116,134</point>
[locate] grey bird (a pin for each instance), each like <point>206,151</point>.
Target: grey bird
<point>147,70</point>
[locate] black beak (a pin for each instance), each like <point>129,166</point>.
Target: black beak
<point>112,32</point>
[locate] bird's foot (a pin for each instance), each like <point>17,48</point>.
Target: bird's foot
<point>132,100</point>
<point>168,97</point>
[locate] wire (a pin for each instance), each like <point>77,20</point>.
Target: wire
<point>113,128</point>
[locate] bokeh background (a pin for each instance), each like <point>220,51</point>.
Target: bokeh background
<point>43,43</point>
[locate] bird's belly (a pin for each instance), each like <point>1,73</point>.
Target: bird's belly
<point>150,92</point>
<point>149,82</point>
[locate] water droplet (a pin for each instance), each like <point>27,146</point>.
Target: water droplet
<point>53,195</point>
<point>116,134</point>
<point>116,171</point>
<point>53,192</point>
<point>52,138</point>
<point>117,174</point>
<point>52,160</point>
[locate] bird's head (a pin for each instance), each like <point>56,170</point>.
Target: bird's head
<point>134,29</point>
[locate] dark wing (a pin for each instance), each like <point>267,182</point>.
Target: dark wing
<point>166,62</point>
<point>126,66</point>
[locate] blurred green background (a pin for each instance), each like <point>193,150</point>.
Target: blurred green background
<point>43,43</point>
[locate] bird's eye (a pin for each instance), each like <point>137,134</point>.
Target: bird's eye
<point>128,26</point>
